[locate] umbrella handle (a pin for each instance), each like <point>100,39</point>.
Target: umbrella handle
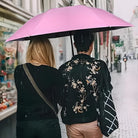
<point>72,45</point>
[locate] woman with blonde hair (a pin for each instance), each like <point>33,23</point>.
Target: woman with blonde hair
<point>35,118</point>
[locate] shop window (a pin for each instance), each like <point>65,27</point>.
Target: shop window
<point>8,60</point>
<point>11,54</point>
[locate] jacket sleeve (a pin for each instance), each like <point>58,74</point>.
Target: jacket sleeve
<point>106,78</point>
<point>59,84</point>
<point>17,77</point>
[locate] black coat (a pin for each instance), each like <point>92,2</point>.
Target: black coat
<point>49,81</point>
<point>34,117</point>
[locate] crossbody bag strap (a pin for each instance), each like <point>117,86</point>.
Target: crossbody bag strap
<point>37,89</point>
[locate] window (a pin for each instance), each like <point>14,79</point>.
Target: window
<point>137,41</point>
<point>19,3</point>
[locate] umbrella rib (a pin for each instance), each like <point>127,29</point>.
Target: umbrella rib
<point>72,45</point>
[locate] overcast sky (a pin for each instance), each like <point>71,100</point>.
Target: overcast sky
<point>124,8</point>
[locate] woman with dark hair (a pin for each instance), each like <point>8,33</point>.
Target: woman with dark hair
<point>84,79</point>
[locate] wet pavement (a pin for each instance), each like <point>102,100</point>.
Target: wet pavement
<point>125,95</point>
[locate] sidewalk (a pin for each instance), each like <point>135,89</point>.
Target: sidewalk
<point>125,95</point>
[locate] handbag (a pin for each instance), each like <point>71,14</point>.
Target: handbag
<point>108,121</point>
<point>37,89</point>
<point>107,117</point>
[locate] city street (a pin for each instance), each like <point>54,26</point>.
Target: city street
<point>125,95</point>
<point>55,26</point>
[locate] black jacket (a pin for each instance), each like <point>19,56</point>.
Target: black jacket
<point>30,105</point>
<point>83,78</point>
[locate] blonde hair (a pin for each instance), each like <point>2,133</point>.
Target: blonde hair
<point>40,50</point>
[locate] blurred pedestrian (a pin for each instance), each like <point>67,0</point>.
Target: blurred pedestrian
<point>35,118</point>
<point>125,61</point>
<point>84,77</point>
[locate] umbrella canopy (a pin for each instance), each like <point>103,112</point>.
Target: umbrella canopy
<point>65,21</point>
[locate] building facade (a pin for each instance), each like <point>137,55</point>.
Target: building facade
<point>134,38</point>
<point>19,11</point>
<point>13,14</point>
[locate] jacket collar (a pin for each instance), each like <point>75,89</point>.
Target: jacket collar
<point>81,56</point>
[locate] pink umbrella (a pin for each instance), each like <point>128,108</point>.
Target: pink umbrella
<point>65,21</point>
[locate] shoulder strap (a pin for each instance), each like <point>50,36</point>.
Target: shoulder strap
<point>37,89</point>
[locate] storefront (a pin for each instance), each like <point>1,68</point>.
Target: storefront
<point>11,54</point>
<point>8,61</point>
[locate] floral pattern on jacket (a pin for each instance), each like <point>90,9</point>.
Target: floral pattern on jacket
<point>83,79</point>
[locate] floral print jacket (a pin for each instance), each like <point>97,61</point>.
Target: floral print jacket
<point>83,78</point>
